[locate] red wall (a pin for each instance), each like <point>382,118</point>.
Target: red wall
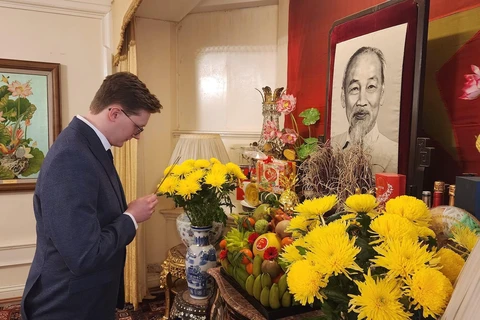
<point>309,25</point>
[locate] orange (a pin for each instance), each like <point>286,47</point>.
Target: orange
<point>286,241</point>
<point>223,244</point>
<point>248,223</point>
<point>249,268</point>
<point>266,240</point>
<point>247,256</point>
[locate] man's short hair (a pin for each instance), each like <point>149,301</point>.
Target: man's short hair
<point>363,50</point>
<point>127,90</point>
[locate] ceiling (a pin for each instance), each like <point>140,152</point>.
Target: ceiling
<point>176,10</point>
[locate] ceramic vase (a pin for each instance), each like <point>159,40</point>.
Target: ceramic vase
<point>201,256</point>
<point>186,233</point>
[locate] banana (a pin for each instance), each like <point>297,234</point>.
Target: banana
<point>242,274</point>
<point>257,265</point>
<point>230,269</point>
<point>249,284</point>
<point>286,299</point>
<point>266,280</point>
<point>273,297</point>
<point>257,287</point>
<point>265,297</point>
<point>282,285</point>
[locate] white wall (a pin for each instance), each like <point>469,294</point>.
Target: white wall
<point>156,66</point>
<point>221,57</point>
<point>76,42</point>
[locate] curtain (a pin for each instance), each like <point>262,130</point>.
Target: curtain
<point>126,162</point>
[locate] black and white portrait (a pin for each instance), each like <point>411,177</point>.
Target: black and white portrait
<point>366,95</point>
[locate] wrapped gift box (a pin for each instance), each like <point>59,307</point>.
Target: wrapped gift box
<point>389,186</point>
<point>269,172</point>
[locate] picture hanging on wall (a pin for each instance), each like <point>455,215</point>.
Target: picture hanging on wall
<point>374,82</point>
<point>29,120</point>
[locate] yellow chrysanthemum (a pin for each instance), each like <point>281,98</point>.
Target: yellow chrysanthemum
<point>332,250</point>
<point>298,226</point>
<point>305,282</point>
<point>411,208</point>
<point>214,160</point>
<point>189,162</point>
<point>424,232</point>
<point>182,169</point>
<point>429,290</point>
<point>219,168</point>
<point>291,254</point>
<point>451,263</point>
<point>464,236</point>
<point>195,175</point>
<point>235,170</point>
<point>392,226</point>
<point>378,300</point>
<point>201,164</point>
<point>169,185</point>
<point>317,206</point>
<point>186,188</point>
<point>167,170</point>
<point>403,257</point>
<point>362,203</point>
<point>215,179</point>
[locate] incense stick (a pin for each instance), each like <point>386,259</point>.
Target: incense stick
<point>177,159</point>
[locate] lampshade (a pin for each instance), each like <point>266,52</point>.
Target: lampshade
<point>199,146</point>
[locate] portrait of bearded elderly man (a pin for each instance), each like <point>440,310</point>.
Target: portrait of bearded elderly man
<point>362,96</point>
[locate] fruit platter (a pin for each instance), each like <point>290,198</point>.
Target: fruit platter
<point>250,260</point>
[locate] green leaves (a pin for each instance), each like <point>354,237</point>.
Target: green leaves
<point>11,109</point>
<point>310,116</point>
<point>6,174</point>
<point>34,163</point>
<point>308,147</point>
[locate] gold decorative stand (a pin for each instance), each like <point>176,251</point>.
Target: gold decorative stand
<point>173,277</point>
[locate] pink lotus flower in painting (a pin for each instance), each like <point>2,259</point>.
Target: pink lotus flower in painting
<point>19,89</point>
<point>471,87</point>
<point>286,104</point>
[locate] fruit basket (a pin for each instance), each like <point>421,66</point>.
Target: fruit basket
<point>251,264</point>
<point>267,312</point>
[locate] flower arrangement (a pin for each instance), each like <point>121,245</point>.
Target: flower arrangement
<point>361,263</point>
<point>201,187</point>
<point>19,155</point>
<point>276,140</point>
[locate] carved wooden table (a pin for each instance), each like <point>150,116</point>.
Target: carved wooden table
<point>229,304</point>
<point>173,277</point>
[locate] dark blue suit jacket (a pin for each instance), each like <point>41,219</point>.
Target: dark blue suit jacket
<point>77,271</point>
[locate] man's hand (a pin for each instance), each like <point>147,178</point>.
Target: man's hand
<point>142,208</point>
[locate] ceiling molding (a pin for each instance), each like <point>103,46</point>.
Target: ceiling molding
<point>80,8</point>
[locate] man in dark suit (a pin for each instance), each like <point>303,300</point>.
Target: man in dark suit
<point>83,220</point>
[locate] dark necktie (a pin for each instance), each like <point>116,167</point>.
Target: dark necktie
<point>110,155</point>
<point>344,147</point>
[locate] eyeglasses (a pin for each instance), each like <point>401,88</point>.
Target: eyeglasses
<point>139,129</point>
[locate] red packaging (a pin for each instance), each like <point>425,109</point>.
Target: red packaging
<point>389,186</point>
<point>269,172</point>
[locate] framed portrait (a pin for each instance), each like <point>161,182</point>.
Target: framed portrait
<point>375,76</point>
<point>29,120</point>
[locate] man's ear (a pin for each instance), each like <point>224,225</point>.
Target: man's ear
<point>342,98</point>
<point>113,112</point>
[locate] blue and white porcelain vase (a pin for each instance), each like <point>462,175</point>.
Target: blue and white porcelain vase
<point>201,256</point>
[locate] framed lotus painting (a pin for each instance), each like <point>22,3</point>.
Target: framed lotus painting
<point>29,120</point>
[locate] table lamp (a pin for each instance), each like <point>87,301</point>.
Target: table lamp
<point>199,146</point>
